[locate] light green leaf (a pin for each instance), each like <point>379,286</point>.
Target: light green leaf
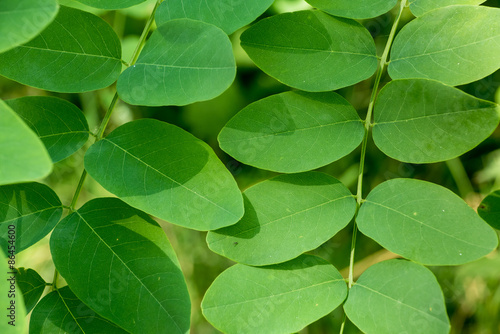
<point>14,312</point>
<point>285,217</point>
<point>135,277</point>
<point>184,61</point>
<point>31,210</point>
<point>424,121</point>
<point>229,15</point>
<point>22,20</point>
<point>489,209</point>
<point>111,4</point>
<point>293,132</point>
<point>23,156</point>
<point>78,52</point>
<point>455,45</point>
<point>61,312</point>
<point>31,285</point>
<point>355,9</point>
<point>311,50</point>
<point>61,126</point>
<point>397,296</point>
<point>420,7</point>
<point>282,298</point>
<point>425,223</point>
<point>167,172</point>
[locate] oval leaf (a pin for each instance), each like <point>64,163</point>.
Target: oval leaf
<point>167,172</point>
<point>424,121</point>
<point>425,223</point>
<point>23,156</point>
<point>355,9</point>
<point>311,50</point>
<point>420,7</point>
<point>22,20</point>
<point>489,209</point>
<point>229,15</point>
<point>61,126</point>
<point>78,52</point>
<point>136,280</point>
<point>285,217</point>
<point>111,4</point>
<point>184,61</point>
<point>31,285</point>
<point>62,312</point>
<point>14,318</point>
<point>283,298</point>
<point>293,132</point>
<point>450,45</point>
<point>392,295</point>
<point>31,210</point>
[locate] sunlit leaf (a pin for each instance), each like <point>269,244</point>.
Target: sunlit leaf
<point>355,9</point>
<point>111,4</point>
<point>489,209</point>
<point>420,7</point>
<point>31,285</point>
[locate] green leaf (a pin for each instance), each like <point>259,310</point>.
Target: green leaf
<point>31,285</point>
<point>397,296</point>
<point>420,7</point>
<point>119,262</point>
<point>293,132</point>
<point>455,45</point>
<point>229,15</point>
<point>424,121</point>
<point>61,126</point>
<point>285,217</point>
<point>282,298</point>
<point>14,312</point>
<point>78,52</point>
<point>425,223</point>
<point>61,312</point>
<point>23,156</point>
<point>184,61</point>
<point>167,172</point>
<point>355,9</point>
<point>311,50</point>
<point>489,209</point>
<point>22,20</point>
<point>111,4</point>
<point>31,210</point>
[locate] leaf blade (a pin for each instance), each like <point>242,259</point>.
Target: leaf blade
<point>489,209</point>
<point>32,286</point>
<point>420,7</point>
<point>357,9</point>
<point>111,4</point>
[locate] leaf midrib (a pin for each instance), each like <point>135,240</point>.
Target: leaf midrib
<point>435,115</point>
<point>308,49</point>
<point>69,52</point>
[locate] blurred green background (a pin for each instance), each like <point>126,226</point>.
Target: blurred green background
<point>472,291</point>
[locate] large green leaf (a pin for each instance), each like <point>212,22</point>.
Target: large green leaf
<point>78,52</point>
<point>455,45</point>
<point>14,312</point>
<point>282,298</point>
<point>311,50</point>
<point>111,4</point>
<point>31,285</point>
<point>397,296</point>
<point>293,132</point>
<point>489,209</point>
<point>423,121</point>
<point>119,262</point>
<point>31,209</point>
<point>355,9</point>
<point>420,7</point>
<point>61,126</point>
<point>184,61</point>
<point>425,223</point>
<point>229,15</point>
<point>23,156</point>
<point>285,217</point>
<point>61,312</point>
<point>22,20</point>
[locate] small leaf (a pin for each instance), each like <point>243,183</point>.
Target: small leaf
<point>229,15</point>
<point>355,9</point>
<point>285,217</point>
<point>455,45</point>
<point>22,20</point>
<point>111,4</point>
<point>23,156</point>
<point>119,262</point>
<point>424,121</point>
<point>167,172</point>
<point>420,7</point>
<point>31,210</point>
<point>283,298</point>
<point>62,312</point>
<point>311,50</point>
<point>14,312</point>
<point>489,209</point>
<point>31,285</point>
<point>425,223</point>
<point>61,126</point>
<point>397,296</point>
<point>293,132</point>
<point>184,61</point>
<point>78,52</point>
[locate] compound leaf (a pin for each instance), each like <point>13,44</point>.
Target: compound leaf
<point>420,7</point>
<point>489,209</point>
<point>355,9</point>
<point>31,285</point>
<point>111,4</point>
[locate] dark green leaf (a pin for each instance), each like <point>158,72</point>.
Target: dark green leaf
<point>489,209</point>
<point>119,262</point>
<point>111,4</point>
<point>420,7</point>
<point>14,312</point>
<point>31,285</point>
<point>355,9</point>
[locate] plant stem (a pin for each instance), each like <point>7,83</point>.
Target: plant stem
<point>460,176</point>
<point>54,281</point>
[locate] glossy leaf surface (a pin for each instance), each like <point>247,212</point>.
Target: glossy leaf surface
<point>355,9</point>
<point>31,285</point>
<point>489,209</point>
<point>420,7</point>
<point>111,4</point>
